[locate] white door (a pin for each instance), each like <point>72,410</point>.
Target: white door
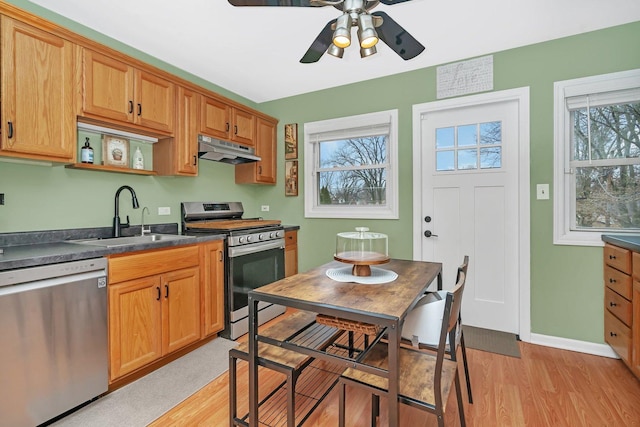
<point>469,204</point>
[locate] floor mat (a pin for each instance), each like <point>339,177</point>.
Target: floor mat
<point>144,400</point>
<point>491,341</point>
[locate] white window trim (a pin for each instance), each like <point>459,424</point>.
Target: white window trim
<point>563,191</point>
<point>311,207</point>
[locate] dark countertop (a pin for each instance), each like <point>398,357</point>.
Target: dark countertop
<point>627,241</point>
<point>29,249</point>
<point>291,227</point>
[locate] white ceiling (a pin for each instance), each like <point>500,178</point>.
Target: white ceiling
<point>255,51</point>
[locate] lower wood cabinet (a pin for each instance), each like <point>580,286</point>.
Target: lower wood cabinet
<point>154,306</point>
<point>622,304</point>
<point>212,267</point>
<point>290,253</point>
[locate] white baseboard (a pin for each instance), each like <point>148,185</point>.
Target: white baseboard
<point>574,345</point>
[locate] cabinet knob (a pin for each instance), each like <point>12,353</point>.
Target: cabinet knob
<point>612,280</point>
<point>130,107</point>
<point>195,160</point>
<point>158,289</point>
<point>613,334</point>
<point>612,304</point>
<point>139,109</point>
<point>10,134</point>
<point>235,129</point>
<point>612,257</point>
<point>166,291</point>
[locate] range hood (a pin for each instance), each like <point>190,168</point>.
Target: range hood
<point>226,152</point>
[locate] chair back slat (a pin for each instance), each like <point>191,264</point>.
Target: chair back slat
<point>456,294</point>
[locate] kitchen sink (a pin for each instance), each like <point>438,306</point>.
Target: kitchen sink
<point>131,240</point>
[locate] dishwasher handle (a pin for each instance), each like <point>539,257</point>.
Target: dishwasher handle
<point>56,281</point>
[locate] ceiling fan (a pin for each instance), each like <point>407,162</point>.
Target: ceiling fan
<point>336,35</point>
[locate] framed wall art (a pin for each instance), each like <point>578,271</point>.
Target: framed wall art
<point>291,178</point>
<point>291,141</point>
<point>115,151</point>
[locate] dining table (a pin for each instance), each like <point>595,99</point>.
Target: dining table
<point>383,304</point>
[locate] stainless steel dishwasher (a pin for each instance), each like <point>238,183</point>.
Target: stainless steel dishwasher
<point>53,339</point>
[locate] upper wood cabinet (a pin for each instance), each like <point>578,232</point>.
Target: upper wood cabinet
<point>38,118</point>
<point>220,120</point>
<point>179,155</point>
<point>117,92</point>
<point>264,171</point>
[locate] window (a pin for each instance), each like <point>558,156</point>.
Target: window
<point>351,167</point>
<point>597,157</point>
<point>460,147</point>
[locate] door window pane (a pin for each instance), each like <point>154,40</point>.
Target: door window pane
<point>444,161</point>
<point>467,135</point>
<point>490,158</point>
<point>490,133</point>
<point>467,159</point>
<point>445,137</point>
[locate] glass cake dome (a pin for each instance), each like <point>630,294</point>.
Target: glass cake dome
<point>362,248</point>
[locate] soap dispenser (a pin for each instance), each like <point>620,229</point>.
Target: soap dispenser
<point>138,160</point>
<point>86,154</point>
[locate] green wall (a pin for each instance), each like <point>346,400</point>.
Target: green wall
<point>566,284</point>
<point>566,281</point>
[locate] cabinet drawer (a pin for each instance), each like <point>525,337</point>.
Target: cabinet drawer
<point>127,267</point>
<point>617,335</point>
<point>617,258</point>
<point>636,265</point>
<point>617,281</point>
<point>619,306</point>
<point>291,238</point>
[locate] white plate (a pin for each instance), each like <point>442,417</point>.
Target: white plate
<point>378,276</point>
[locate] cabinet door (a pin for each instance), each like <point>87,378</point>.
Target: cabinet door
<point>212,264</point>
<point>243,126</point>
<point>290,253</point>
<point>186,138</point>
<point>134,325</point>
<point>215,118</point>
<point>635,329</point>
<point>264,171</point>
<point>155,102</point>
<point>108,87</point>
<point>37,93</point>
<point>181,308</point>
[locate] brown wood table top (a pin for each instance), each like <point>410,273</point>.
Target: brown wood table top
<point>388,300</point>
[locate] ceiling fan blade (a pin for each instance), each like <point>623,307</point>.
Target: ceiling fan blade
<point>296,3</point>
<point>397,38</point>
<point>392,2</point>
<point>319,45</point>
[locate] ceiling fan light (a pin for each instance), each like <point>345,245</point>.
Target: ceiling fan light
<point>368,51</point>
<point>335,51</point>
<point>342,34</point>
<point>366,32</point>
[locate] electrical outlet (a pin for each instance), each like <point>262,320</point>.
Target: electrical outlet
<point>542,191</point>
<point>265,208</point>
<point>164,210</point>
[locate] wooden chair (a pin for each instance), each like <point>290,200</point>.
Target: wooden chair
<point>425,379</point>
<point>422,326</point>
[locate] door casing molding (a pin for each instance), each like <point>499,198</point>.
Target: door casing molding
<point>521,96</point>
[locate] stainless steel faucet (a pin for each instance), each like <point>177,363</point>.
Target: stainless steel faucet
<point>147,230</point>
<point>117,226</point>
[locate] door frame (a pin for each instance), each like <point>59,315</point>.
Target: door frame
<point>521,96</point>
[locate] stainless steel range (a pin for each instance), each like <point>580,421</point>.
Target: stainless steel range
<point>255,257</point>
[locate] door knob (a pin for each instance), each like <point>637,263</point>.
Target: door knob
<point>428,233</point>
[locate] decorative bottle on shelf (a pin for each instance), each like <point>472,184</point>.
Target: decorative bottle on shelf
<point>138,160</point>
<point>86,154</point>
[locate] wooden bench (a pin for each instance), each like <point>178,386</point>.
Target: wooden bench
<point>288,362</point>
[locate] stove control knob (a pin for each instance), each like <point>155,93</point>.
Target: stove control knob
<point>271,235</point>
<point>248,239</point>
<point>260,236</point>
<point>240,239</point>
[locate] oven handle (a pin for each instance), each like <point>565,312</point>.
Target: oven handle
<point>253,248</point>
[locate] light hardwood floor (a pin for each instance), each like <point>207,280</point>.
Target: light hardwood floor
<point>545,387</point>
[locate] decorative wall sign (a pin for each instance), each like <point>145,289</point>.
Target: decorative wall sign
<point>115,151</point>
<point>291,178</point>
<point>461,78</point>
<point>291,141</point>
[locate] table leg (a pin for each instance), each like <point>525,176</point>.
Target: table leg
<point>394,374</point>
<point>440,280</point>
<point>253,362</point>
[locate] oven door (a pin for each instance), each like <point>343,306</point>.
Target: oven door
<point>250,267</point>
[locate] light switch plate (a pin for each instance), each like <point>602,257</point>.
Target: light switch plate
<point>164,211</point>
<point>265,208</point>
<point>542,191</point>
